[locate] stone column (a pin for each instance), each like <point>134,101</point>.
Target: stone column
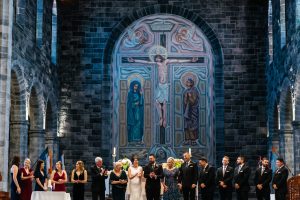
<point>36,144</point>
<point>6,22</point>
<point>296,130</point>
<point>287,148</point>
<point>18,140</point>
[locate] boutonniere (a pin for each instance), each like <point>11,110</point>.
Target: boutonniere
<point>241,171</point>
<point>206,172</point>
<point>226,171</point>
<point>191,166</point>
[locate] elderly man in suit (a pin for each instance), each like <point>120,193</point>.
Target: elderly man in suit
<point>153,172</point>
<point>280,180</point>
<point>206,181</point>
<point>188,176</point>
<point>224,179</point>
<point>98,174</point>
<point>241,179</point>
<point>262,180</point>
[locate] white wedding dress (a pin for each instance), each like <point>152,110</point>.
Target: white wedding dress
<point>135,184</point>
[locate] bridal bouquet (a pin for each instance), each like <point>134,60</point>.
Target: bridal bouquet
<point>126,163</point>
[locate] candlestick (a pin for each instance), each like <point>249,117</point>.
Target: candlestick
<point>114,151</point>
<point>190,152</point>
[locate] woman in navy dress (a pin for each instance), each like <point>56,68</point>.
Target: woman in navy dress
<point>118,180</point>
<point>15,189</point>
<point>40,177</point>
<point>26,180</point>
<point>79,179</point>
<point>171,173</point>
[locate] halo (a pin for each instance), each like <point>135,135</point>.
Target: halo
<point>187,75</point>
<point>157,50</point>
<point>135,77</point>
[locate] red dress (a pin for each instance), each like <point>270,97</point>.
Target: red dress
<point>26,185</point>
<point>59,187</point>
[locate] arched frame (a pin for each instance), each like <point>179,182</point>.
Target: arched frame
<point>217,73</point>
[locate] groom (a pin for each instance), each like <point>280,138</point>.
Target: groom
<point>153,173</point>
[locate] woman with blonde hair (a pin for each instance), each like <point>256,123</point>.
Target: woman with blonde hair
<point>169,182</point>
<point>26,180</point>
<point>59,178</point>
<point>118,180</point>
<point>79,178</point>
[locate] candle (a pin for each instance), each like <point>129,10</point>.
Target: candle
<point>114,151</point>
<point>190,151</point>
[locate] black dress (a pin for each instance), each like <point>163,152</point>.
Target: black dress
<point>118,190</point>
<point>13,188</point>
<point>42,178</point>
<point>78,188</point>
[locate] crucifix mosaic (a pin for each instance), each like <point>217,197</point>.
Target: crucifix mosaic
<point>163,89</point>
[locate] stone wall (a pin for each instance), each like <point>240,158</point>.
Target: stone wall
<point>85,112</point>
<point>31,85</point>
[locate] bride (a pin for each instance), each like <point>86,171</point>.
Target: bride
<point>135,173</point>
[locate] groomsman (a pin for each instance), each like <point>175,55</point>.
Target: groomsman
<point>153,173</point>
<point>206,181</point>
<point>280,180</point>
<point>262,180</point>
<point>224,179</point>
<point>241,179</point>
<point>187,179</point>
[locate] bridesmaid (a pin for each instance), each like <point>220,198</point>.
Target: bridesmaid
<point>171,173</point>
<point>40,177</point>
<point>26,180</point>
<point>79,178</point>
<point>59,178</point>
<point>15,189</point>
<point>118,180</point>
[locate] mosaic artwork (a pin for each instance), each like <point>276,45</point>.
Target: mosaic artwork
<point>163,90</point>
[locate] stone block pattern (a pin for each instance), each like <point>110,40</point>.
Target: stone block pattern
<point>86,95</point>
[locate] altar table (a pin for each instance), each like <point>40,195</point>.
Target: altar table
<point>50,196</point>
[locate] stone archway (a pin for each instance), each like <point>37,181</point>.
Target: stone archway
<point>286,128</point>
<point>216,61</point>
<point>36,139</point>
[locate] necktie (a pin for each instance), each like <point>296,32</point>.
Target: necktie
<point>224,169</point>
<point>262,171</point>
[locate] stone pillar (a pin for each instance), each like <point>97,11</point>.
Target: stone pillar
<point>287,148</point>
<point>36,144</point>
<point>6,22</point>
<point>18,140</point>
<point>296,130</point>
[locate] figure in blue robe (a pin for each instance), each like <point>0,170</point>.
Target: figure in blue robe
<point>135,113</point>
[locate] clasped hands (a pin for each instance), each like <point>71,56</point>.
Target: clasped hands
<point>222,184</point>
<point>152,175</point>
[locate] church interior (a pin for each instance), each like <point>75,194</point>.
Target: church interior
<point>88,78</point>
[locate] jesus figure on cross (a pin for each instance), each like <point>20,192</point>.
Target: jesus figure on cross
<point>162,90</point>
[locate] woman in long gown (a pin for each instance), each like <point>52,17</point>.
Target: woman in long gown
<point>40,177</point>
<point>135,173</point>
<point>59,178</point>
<point>171,173</point>
<point>79,179</point>
<point>15,189</point>
<point>118,181</point>
<point>26,180</point>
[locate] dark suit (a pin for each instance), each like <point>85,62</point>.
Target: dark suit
<point>265,179</point>
<point>153,184</point>
<point>242,179</point>
<point>207,177</point>
<point>188,175</point>
<point>280,179</point>
<point>98,183</point>
<point>225,193</point>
